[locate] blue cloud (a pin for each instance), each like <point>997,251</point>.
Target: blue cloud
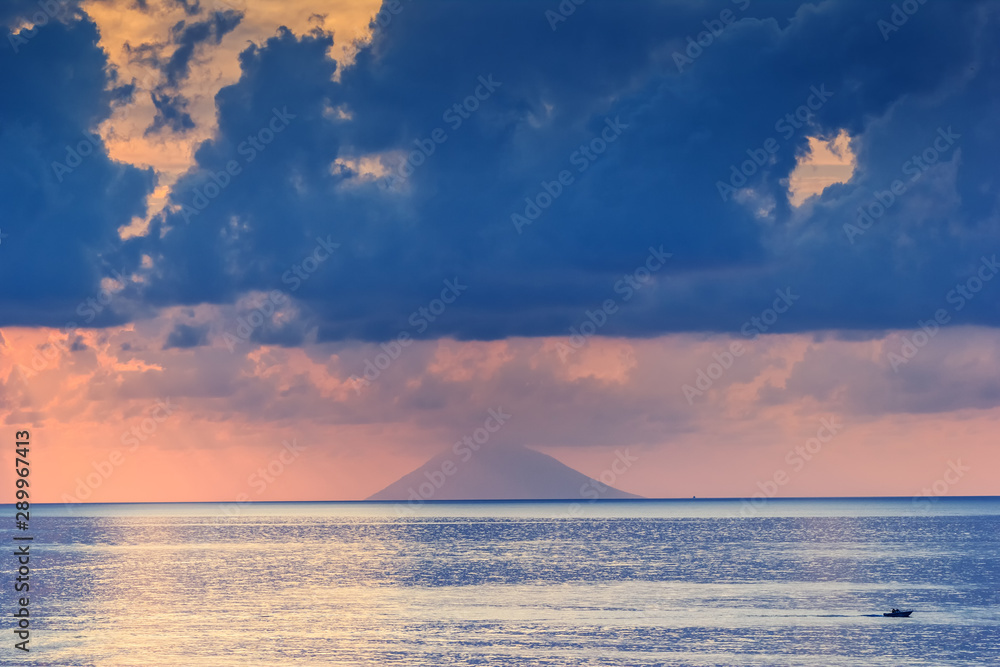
<point>185,336</point>
<point>188,38</point>
<point>63,198</point>
<point>528,146</point>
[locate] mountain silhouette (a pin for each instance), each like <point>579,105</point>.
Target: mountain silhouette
<point>504,473</point>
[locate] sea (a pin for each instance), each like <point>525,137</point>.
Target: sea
<point>797,582</point>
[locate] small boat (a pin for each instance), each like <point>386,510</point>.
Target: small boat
<point>895,613</point>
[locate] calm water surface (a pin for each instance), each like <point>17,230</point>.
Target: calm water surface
<point>800,582</point>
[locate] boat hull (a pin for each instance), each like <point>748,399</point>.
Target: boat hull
<point>898,614</point>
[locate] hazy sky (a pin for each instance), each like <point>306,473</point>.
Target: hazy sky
<point>749,241</point>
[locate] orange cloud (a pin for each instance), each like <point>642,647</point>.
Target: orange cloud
<point>95,398</point>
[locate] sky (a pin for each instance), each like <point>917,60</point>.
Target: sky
<point>262,252</point>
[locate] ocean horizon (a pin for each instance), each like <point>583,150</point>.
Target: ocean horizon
<point>721,507</point>
<point>587,501</point>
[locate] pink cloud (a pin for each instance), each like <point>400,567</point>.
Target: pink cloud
<point>231,411</point>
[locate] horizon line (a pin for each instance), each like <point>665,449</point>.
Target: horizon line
<point>588,501</point>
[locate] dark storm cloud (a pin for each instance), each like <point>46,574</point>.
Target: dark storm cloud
<point>189,36</point>
<point>37,12</point>
<point>62,198</point>
<point>675,117</point>
<point>170,113</point>
<point>171,106</point>
<point>185,336</point>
